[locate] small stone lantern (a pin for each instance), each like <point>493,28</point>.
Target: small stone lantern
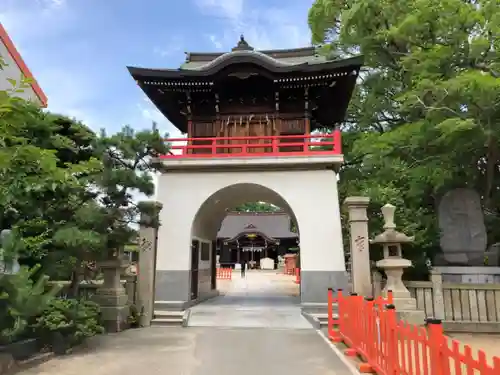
<point>394,265</point>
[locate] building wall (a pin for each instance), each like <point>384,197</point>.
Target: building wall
<point>13,71</point>
<point>310,196</point>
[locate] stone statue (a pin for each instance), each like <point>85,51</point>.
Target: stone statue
<point>463,233</point>
<point>10,266</point>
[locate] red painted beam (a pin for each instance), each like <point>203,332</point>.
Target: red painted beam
<point>219,147</point>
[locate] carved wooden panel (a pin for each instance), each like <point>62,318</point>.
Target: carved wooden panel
<point>260,129</point>
<point>236,129</point>
<point>293,126</point>
<point>204,129</point>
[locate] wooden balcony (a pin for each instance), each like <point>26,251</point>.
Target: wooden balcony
<point>254,147</point>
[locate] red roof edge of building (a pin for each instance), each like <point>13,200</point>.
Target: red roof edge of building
<point>16,56</point>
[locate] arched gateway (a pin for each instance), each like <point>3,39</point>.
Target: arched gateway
<point>249,117</point>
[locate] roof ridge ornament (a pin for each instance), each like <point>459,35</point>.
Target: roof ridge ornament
<point>242,45</point>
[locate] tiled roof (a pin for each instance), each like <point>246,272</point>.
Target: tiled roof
<point>274,225</point>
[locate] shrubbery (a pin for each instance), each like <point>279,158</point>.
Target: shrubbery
<point>68,322</point>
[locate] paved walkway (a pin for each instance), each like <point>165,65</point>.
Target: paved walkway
<point>215,351</point>
<point>260,300</point>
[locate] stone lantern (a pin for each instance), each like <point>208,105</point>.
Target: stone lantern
<point>394,265</point>
<point>111,295</point>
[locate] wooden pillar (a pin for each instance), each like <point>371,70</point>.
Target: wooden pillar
<point>277,131</point>
<point>218,128</point>
<point>189,121</point>
<point>307,125</point>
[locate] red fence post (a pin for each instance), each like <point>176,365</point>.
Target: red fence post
<point>274,144</point>
<point>337,139</point>
<point>353,330</point>
<point>437,339</point>
<point>369,334</point>
<point>391,355</point>
<point>214,146</point>
<point>335,333</point>
<point>496,365</point>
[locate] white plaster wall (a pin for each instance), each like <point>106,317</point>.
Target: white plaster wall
<point>12,71</point>
<point>311,195</point>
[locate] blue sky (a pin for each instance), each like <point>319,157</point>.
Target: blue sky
<point>78,50</point>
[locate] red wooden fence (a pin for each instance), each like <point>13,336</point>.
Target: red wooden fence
<point>224,273</point>
<point>387,346</point>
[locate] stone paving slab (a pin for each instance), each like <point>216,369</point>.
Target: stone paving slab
<point>201,351</point>
<point>259,300</point>
<point>275,340</point>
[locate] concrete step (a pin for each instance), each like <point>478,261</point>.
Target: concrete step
<point>317,308</point>
<point>323,318</point>
<point>318,320</point>
<point>170,318</point>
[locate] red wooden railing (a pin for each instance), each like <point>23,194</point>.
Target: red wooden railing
<point>387,346</point>
<point>230,147</point>
<point>224,273</point>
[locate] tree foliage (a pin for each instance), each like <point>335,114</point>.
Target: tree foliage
<point>425,116</point>
<point>66,192</point>
<point>257,207</point>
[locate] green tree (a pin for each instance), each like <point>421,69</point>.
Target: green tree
<point>66,192</point>
<point>128,158</point>
<point>257,207</point>
<point>425,115</point>
<point>45,181</point>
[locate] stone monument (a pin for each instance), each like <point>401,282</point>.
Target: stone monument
<point>463,233</point>
<point>267,264</point>
<point>394,265</point>
<point>147,258</point>
<point>8,266</point>
<point>359,254</point>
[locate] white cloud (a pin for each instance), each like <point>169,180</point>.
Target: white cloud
<point>151,114</point>
<point>51,17</point>
<point>173,47</point>
<point>232,9</point>
<point>51,5</point>
<point>216,42</point>
<point>263,27</point>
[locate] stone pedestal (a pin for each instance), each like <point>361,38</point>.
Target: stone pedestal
<point>406,305</point>
<point>112,297</point>
<point>360,256</point>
